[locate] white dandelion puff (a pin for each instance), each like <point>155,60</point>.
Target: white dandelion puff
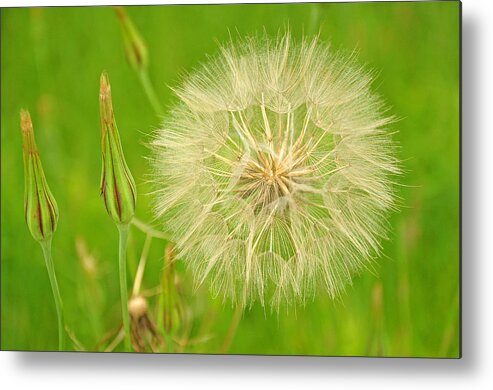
<point>274,173</point>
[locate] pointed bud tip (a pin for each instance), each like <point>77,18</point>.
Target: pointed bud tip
<point>104,85</point>
<point>105,104</point>
<point>28,142</point>
<point>26,123</point>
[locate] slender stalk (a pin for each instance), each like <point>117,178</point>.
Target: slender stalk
<point>149,230</point>
<point>149,91</point>
<point>233,326</point>
<point>46,246</point>
<point>123,230</point>
<point>160,307</point>
<point>166,298</point>
<point>142,264</point>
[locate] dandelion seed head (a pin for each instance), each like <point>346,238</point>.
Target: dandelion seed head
<point>274,172</point>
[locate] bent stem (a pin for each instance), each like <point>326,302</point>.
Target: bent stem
<point>46,246</point>
<point>149,230</point>
<point>122,264</point>
<point>149,91</point>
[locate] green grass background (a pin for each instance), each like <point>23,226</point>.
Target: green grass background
<point>50,64</point>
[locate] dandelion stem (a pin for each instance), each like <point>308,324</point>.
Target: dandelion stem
<point>46,246</point>
<point>233,326</point>
<point>150,92</point>
<point>123,231</point>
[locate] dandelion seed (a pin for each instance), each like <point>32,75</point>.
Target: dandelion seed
<point>274,173</point>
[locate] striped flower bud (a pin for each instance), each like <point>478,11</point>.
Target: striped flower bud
<point>135,48</point>
<point>117,183</point>
<point>40,208</point>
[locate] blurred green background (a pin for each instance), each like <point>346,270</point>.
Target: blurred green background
<point>51,62</point>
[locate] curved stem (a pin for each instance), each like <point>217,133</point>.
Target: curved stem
<point>147,229</point>
<point>149,91</point>
<point>46,246</point>
<point>122,263</point>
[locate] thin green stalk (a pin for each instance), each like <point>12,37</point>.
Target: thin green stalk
<point>160,307</point>
<point>149,91</point>
<point>165,303</point>
<point>122,263</point>
<point>233,326</point>
<point>46,246</point>
<point>142,265</point>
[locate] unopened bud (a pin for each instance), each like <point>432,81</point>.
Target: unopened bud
<point>117,183</point>
<point>135,48</point>
<point>40,208</point>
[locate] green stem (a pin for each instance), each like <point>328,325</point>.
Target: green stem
<point>149,91</point>
<point>166,298</point>
<point>122,263</point>
<point>233,326</point>
<point>46,246</point>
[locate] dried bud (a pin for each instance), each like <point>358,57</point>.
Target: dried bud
<point>117,183</point>
<point>135,48</point>
<point>40,208</point>
<point>145,336</point>
<point>137,307</point>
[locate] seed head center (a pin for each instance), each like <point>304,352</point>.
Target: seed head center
<point>266,178</point>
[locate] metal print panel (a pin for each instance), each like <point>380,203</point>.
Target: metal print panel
<point>278,179</point>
